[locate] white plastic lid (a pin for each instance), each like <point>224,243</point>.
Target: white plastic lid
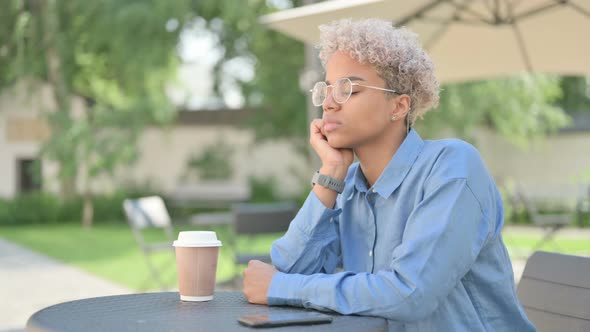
<point>197,239</point>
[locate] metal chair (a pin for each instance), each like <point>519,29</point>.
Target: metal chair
<point>555,291</point>
<point>150,212</point>
<point>210,194</point>
<point>551,222</point>
<point>253,219</point>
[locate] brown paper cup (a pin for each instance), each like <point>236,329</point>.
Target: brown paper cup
<point>197,268</point>
<point>196,261</point>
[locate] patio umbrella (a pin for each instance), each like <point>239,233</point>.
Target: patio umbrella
<point>469,39</point>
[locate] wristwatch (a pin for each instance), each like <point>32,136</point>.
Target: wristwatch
<point>327,182</point>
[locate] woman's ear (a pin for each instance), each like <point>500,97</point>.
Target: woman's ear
<point>402,106</point>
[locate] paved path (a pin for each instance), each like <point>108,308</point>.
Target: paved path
<point>30,282</point>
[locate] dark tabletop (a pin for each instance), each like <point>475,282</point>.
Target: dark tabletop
<point>165,312</point>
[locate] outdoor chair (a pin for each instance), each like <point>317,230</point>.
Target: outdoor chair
<point>252,219</point>
<point>210,194</point>
<point>145,213</point>
<point>551,222</point>
<point>555,291</point>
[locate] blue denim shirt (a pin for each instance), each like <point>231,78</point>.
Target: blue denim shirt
<point>421,248</point>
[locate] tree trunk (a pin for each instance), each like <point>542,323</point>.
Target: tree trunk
<point>53,56</point>
<point>67,187</point>
<point>88,210</point>
<point>55,77</point>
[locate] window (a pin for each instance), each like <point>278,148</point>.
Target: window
<point>29,175</point>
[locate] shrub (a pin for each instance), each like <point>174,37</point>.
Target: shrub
<point>5,213</point>
<point>44,207</point>
<point>32,208</point>
<point>262,189</point>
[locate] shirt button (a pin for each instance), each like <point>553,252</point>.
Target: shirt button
<point>371,253</point>
<point>331,219</point>
<point>374,190</point>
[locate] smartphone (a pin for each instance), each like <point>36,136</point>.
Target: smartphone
<point>284,319</point>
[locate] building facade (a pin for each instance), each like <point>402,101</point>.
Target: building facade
<point>553,167</point>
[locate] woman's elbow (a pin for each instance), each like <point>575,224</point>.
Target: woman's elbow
<point>415,308</point>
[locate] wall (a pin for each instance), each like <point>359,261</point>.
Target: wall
<point>551,168</point>
<point>23,129</point>
<point>165,154</point>
<point>18,106</point>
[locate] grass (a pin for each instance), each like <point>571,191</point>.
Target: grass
<point>521,245</point>
<point>110,251</point>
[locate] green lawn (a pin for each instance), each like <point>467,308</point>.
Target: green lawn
<point>110,251</point>
<point>520,245</point>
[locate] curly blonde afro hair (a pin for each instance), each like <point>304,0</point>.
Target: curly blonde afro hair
<point>395,53</point>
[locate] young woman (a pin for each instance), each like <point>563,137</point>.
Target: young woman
<point>411,232</point>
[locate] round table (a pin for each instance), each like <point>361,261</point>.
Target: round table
<point>165,312</point>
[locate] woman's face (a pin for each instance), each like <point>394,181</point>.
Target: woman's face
<point>366,116</point>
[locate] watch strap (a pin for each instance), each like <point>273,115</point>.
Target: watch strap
<point>328,182</point>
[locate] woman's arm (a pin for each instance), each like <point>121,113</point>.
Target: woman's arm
<point>311,245</point>
<point>443,237</point>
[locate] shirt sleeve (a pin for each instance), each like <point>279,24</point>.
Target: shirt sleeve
<point>314,230</point>
<point>442,239</point>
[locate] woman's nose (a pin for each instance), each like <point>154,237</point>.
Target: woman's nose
<point>330,104</point>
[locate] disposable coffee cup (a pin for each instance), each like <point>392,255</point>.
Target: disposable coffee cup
<point>196,262</point>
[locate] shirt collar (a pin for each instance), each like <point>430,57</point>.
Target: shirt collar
<point>397,168</point>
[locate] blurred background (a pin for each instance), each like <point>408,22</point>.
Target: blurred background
<point>108,100</point>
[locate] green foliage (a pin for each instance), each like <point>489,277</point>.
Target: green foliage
<point>520,108</point>
<point>49,208</point>
<point>274,92</point>
<point>583,219</point>
<point>30,208</point>
<point>282,110</point>
<point>116,55</point>
<point>212,164</point>
<point>263,189</point>
<point>583,207</point>
<point>576,94</point>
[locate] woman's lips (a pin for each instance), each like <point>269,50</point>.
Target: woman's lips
<point>331,126</point>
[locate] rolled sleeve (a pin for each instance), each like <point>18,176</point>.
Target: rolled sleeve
<point>314,229</point>
<point>283,290</point>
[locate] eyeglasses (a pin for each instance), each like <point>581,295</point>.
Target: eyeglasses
<point>341,91</point>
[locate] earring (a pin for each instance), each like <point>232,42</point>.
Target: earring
<point>393,118</point>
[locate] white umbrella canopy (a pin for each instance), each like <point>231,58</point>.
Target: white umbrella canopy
<point>468,39</point>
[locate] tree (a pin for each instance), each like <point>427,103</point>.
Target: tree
<point>212,164</point>
<point>116,55</point>
<point>519,108</point>
<point>278,61</point>
<point>576,94</point>
<point>276,89</point>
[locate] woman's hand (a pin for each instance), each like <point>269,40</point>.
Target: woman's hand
<point>257,278</point>
<point>335,162</point>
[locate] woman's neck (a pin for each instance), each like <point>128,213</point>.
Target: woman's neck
<point>375,156</point>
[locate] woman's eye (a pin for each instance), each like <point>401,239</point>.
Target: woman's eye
<point>354,92</point>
